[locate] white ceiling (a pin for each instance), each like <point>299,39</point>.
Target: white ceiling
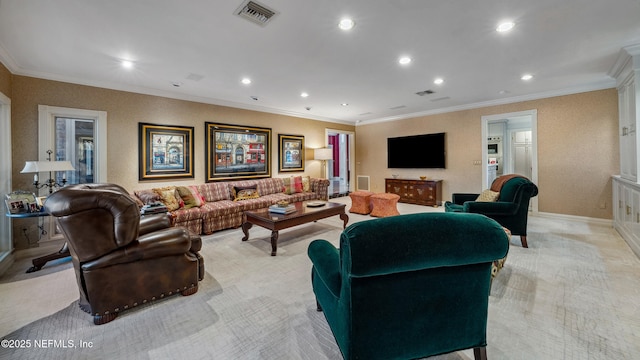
<point>568,45</point>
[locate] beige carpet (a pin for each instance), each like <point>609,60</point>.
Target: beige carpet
<point>574,294</point>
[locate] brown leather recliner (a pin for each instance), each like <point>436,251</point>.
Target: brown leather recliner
<point>122,259</point>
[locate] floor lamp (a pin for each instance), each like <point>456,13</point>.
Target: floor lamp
<point>323,154</point>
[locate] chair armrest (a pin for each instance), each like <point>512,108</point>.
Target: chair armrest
<point>461,198</point>
<point>151,223</point>
<point>167,242</point>
<point>326,264</point>
<point>491,208</point>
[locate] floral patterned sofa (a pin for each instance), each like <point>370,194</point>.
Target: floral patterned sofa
<point>210,207</point>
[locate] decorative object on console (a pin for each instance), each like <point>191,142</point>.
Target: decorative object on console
<point>166,151</point>
<point>290,153</point>
<point>21,201</point>
<point>323,154</point>
<point>48,166</point>
<point>235,152</point>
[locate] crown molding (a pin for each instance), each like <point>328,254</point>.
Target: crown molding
<point>607,84</point>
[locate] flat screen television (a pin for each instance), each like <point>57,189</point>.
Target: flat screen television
<point>426,151</point>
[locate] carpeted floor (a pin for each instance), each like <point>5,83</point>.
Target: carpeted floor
<point>573,294</point>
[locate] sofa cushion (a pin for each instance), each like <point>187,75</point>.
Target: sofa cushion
<point>215,191</point>
<point>270,186</point>
<point>220,208</point>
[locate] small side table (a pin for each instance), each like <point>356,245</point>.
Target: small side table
<point>39,262</point>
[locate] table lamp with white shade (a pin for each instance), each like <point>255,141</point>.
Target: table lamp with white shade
<point>47,166</point>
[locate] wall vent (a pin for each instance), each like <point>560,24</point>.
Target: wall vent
<point>363,182</point>
<point>255,12</point>
<point>425,92</point>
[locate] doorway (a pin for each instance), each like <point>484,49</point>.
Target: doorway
<point>517,133</point>
<point>340,167</point>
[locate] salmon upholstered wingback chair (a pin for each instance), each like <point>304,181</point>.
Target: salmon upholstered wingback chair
<point>121,260</point>
<point>510,209</point>
<point>408,286</point>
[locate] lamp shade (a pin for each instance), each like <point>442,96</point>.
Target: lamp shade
<point>42,166</point>
<point>323,154</point>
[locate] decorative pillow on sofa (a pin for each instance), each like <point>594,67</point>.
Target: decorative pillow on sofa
<point>189,196</point>
<point>306,183</point>
<point>288,185</point>
<point>297,184</point>
<point>245,192</point>
<point>168,197</point>
<point>137,200</point>
<point>488,196</point>
<point>147,196</point>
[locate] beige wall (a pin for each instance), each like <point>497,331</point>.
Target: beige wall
<point>124,111</point>
<point>578,150</point>
<point>5,81</point>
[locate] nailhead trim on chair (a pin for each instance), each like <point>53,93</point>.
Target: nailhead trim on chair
<point>125,307</point>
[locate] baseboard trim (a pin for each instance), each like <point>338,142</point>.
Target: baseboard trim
<point>584,219</point>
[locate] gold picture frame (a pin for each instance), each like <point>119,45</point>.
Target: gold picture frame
<point>236,152</point>
<point>290,153</point>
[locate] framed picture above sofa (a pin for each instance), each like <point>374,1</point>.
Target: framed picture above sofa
<point>236,151</point>
<point>165,151</point>
<point>290,152</point>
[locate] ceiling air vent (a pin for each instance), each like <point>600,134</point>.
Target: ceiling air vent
<point>254,12</point>
<point>425,92</point>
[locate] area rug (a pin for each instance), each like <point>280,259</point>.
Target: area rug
<point>571,295</point>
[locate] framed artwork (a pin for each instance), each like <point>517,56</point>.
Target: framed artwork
<point>290,152</point>
<point>165,151</point>
<point>236,151</point>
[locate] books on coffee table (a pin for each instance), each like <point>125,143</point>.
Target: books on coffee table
<point>282,209</point>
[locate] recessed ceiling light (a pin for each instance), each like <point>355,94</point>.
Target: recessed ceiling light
<point>346,24</point>
<point>505,26</point>
<point>246,81</point>
<point>404,60</point>
<point>127,64</point>
<point>526,77</point>
<point>344,104</point>
<point>304,94</point>
<point>438,81</point>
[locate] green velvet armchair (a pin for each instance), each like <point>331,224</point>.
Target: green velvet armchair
<point>511,209</point>
<point>408,286</point>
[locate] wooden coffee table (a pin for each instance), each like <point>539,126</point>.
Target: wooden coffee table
<point>303,214</point>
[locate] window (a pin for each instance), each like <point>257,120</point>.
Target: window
<point>79,136</point>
